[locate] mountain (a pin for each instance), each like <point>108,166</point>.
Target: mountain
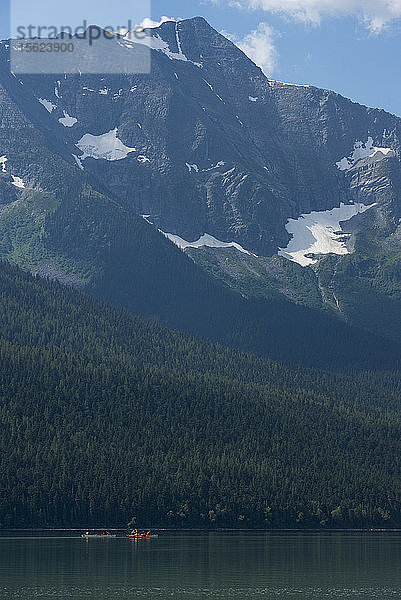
<point>104,416</point>
<point>206,145</point>
<point>219,148</point>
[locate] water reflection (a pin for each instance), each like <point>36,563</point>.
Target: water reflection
<point>217,565</point>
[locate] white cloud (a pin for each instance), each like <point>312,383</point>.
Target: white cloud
<point>150,24</point>
<point>259,47</point>
<point>228,35</point>
<point>376,14</point>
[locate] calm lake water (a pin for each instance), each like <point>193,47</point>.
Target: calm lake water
<point>222,566</point>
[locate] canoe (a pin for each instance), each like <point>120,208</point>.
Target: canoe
<point>142,537</point>
<point>98,535</point>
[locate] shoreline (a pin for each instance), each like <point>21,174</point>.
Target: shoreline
<point>203,530</point>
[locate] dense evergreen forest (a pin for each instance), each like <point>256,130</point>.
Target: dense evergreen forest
<point>104,416</point>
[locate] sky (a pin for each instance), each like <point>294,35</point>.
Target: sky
<point>350,46</point>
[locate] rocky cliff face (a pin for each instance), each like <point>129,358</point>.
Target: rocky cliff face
<point>218,148</point>
<point>203,144</point>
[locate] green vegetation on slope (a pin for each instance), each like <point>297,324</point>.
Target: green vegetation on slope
<point>103,416</point>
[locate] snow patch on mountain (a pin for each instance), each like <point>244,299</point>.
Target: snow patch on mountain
<point>300,85</point>
<point>125,44</point>
<point>106,146</point>
<point>155,42</point>
<point>204,240</point>
<point>363,150</point>
<point>17,182</point>
<point>221,163</point>
<point>49,106</point>
<point>192,168</point>
<point>78,161</point>
<point>319,233</point>
<point>67,120</point>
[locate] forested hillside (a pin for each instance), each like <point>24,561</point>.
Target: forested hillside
<point>104,416</point>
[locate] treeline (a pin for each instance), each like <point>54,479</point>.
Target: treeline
<point>104,416</point>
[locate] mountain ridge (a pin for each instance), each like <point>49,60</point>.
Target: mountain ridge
<point>198,154</point>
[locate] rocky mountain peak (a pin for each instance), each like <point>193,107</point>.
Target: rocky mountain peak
<point>205,145</point>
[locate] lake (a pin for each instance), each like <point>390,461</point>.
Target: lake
<point>221,566</point>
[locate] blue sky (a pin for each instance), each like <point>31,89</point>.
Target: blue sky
<point>350,46</point>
